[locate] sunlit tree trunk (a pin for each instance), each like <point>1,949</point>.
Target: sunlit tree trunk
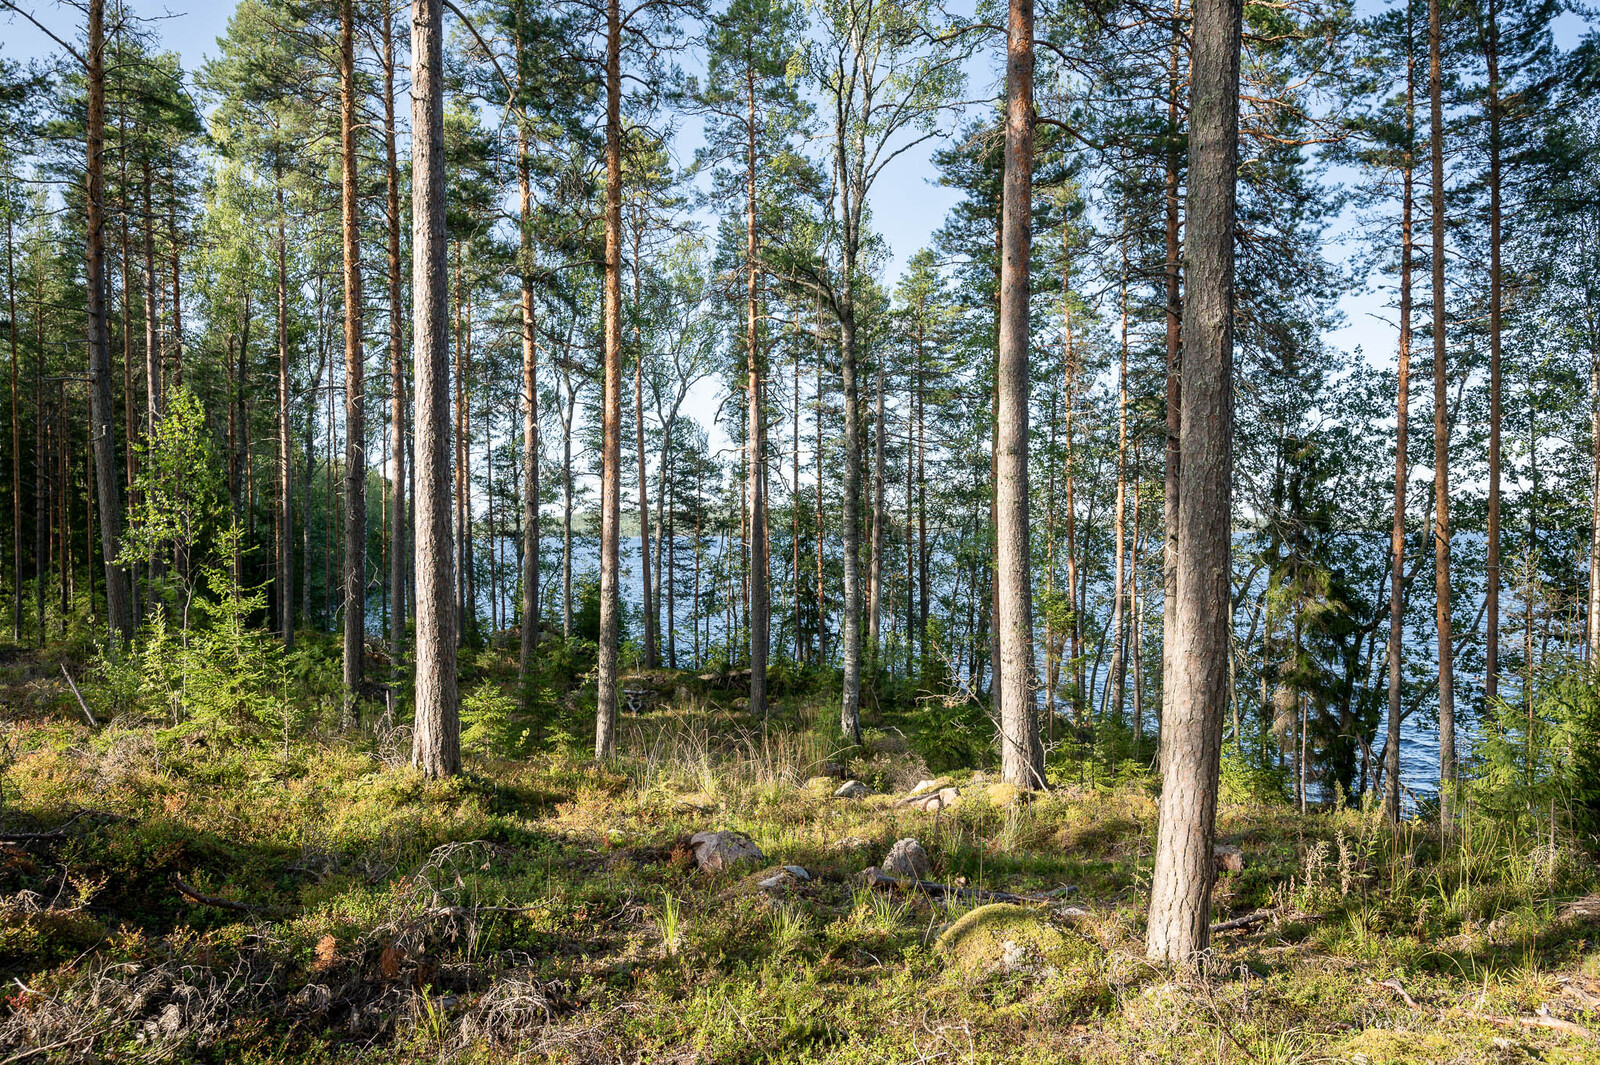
<point>1397,549</point>
<point>1441,436</point>
<point>756,462</point>
<point>1191,734</point>
<point>1021,758</point>
<point>107,491</point>
<point>355,455</point>
<point>1174,399</point>
<point>530,429</point>
<point>1491,606</point>
<point>436,748</point>
<point>285,460</point>
<point>611,402</point>
<point>399,536</point>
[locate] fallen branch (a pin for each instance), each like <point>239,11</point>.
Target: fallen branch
<point>1542,1019</point>
<point>1399,989</point>
<point>33,837</point>
<point>879,879</point>
<point>81,704</point>
<point>1244,922</point>
<point>194,894</point>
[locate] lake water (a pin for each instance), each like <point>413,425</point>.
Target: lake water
<point>1419,739</point>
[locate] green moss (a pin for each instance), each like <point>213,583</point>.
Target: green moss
<point>1004,937</point>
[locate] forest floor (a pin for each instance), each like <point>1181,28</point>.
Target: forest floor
<point>191,898</point>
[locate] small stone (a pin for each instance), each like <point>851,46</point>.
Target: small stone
<point>716,851</point>
<point>852,789</point>
<point>907,859</point>
<point>924,785</point>
<point>1228,858</point>
<point>797,871</point>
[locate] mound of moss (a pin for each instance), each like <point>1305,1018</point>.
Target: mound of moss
<point>1005,938</point>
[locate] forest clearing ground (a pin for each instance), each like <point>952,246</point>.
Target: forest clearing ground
<point>336,906</point>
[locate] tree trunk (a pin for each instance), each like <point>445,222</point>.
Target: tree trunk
<point>1191,740</point>
<point>1117,672</point>
<point>605,740</point>
<point>1441,437</point>
<point>285,578</point>
<point>107,489</point>
<point>1391,759</point>
<point>1022,759</point>
<point>530,429</point>
<point>355,460</point>
<point>436,748</point>
<point>760,593</point>
<point>1169,560</point>
<point>649,610</point>
<point>1491,652</point>
<point>397,376</point>
<point>875,564</point>
<point>16,440</point>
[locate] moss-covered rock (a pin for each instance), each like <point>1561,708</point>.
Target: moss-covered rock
<point>1005,938</point>
<point>1002,793</point>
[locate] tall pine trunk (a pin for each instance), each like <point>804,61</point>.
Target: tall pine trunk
<point>1021,757</point>
<point>355,459</point>
<point>605,739</point>
<point>1441,434</point>
<point>1491,606</point>
<point>285,518</point>
<point>530,428</point>
<point>398,537</point>
<point>1396,649</point>
<point>1191,733</point>
<point>760,592</point>
<point>107,490</point>
<point>436,748</point>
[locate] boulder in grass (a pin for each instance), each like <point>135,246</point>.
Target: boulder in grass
<point>852,789</point>
<point>924,786</point>
<point>933,802</point>
<point>715,852</point>
<point>1006,938</point>
<point>1227,858</point>
<point>907,859</point>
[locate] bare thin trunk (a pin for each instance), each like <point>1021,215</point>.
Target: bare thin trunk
<point>355,402</point>
<point>1391,768</point>
<point>530,429</point>
<point>397,376</point>
<point>1491,653</point>
<point>1441,436</point>
<point>611,402</point>
<point>755,423</point>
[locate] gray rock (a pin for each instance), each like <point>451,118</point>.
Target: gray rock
<point>852,789</point>
<point>942,799</point>
<point>1227,858</point>
<point>716,851</point>
<point>907,859</point>
<point>797,871</point>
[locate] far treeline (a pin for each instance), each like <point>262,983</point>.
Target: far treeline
<point>653,394</point>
